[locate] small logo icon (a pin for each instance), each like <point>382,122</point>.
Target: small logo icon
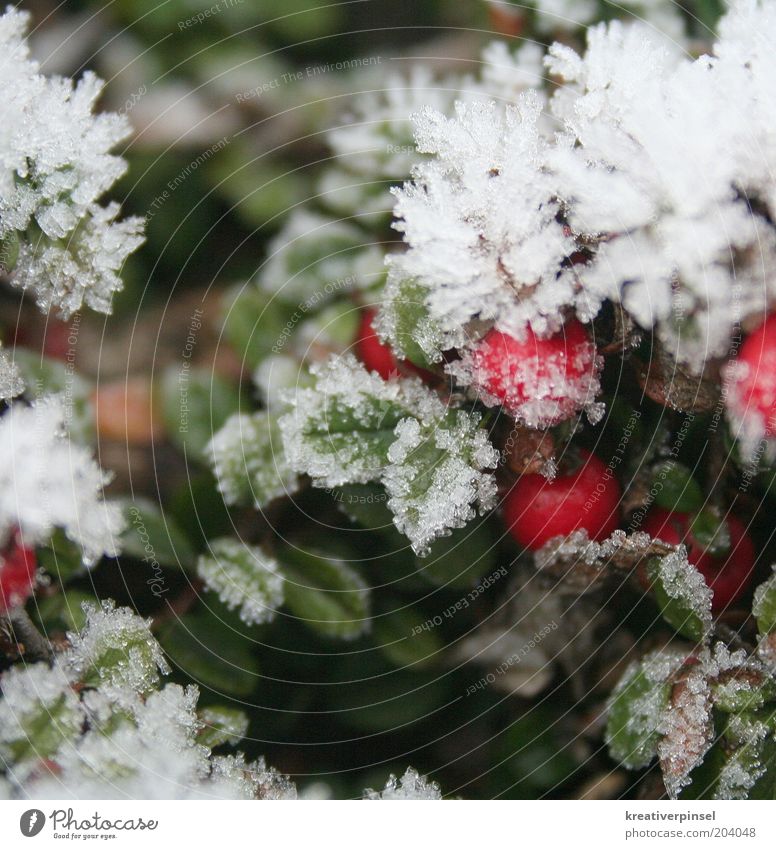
<point>32,822</point>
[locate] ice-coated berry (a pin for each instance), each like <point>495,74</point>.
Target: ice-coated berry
<point>751,382</point>
<point>585,497</point>
<point>17,576</point>
<point>727,575</point>
<point>375,355</point>
<point>539,381</point>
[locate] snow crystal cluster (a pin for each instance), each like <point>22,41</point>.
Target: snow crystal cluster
<point>649,182</point>
<point>55,164</point>
<point>411,786</point>
<point>47,481</point>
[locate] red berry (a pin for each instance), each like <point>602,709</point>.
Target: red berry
<point>585,498</point>
<point>17,575</point>
<point>728,575</point>
<point>375,355</point>
<point>751,395</point>
<point>539,381</point>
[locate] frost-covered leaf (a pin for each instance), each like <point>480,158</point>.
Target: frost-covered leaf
<point>39,712</point>
<point>438,475</point>
<point>744,774</point>
<point>404,322</point>
<point>244,577</point>
<point>116,647</point>
<point>636,708</point>
<point>686,729</point>
<point>411,786</point>
<point>324,592</point>
<point>747,687</point>
<point>221,724</point>
<point>683,595</point>
<point>249,462</point>
<point>11,381</point>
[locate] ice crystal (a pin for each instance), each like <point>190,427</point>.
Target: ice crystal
<point>411,786</point>
<point>55,164</point>
<point>248,460</point>
<point>686,589</point>
<point>244,577</point>
<point>11,383</point>
<point>47,481</point>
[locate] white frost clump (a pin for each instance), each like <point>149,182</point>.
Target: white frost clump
<point>244,577</point>
<point>411,786</point>
<point>684,584</point>
<point>47,482</point>
<point>55,164</point>
<point>657,191</point>
<point>11,383</point>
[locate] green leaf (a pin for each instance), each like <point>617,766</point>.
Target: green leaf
<point>712,533</point>
<point>255,322</point>
<point>210,652</point>
<point>743,689</point>
<point>195,404</point>
<point>221,724</point>
<point>61,558</point>
<point>404,641</point>
<point>679,490</point>
<point>153,537</point>
<point>244,577</point>
<point>249,462</point>
<point>636,707</point>
<point>764,606</point>
<point>458,560</point>
<point>682,594</point>
<point>9,251</point>
<point>412,333</point>
<point>326,593</point>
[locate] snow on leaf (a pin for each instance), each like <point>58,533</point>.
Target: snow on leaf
<point>248,460</point>
<point>47,482</point>
<point>438,475</point>
<point>244,577</point>
<point>340,431</point>
<point>116,647</point>
<point>683,595</point>
<point>411,786</point>
<point>686,729</point>
<point>764,605</point>
<point>636,707</point>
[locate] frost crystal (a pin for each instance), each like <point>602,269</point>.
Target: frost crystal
<point>411,786</point>
<point>47,482</point>
<point>55,164</point>
<point>248,461</point>
<point>11,383</point>
<point>244,577</point>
